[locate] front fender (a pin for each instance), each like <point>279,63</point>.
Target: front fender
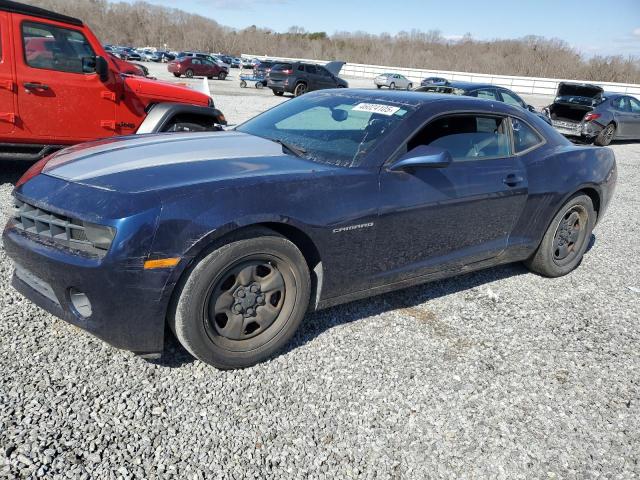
<point>161,114</point>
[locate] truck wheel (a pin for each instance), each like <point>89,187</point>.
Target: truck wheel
<point>278,93</point>
<point>606,135</point>
<point>188,73</point>
<point>242,302</point>
<point>222,76</point>
<point>176,74</point>
<point>566,239</point>
<point>300,89</point>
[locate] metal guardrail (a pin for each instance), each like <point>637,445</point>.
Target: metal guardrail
<point>523,85</point>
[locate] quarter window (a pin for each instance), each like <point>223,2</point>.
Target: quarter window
<point>524,137</point>
<point>467,137</point>
<point>56,48</point>
<point>635,105</point>
<point>488,94</point>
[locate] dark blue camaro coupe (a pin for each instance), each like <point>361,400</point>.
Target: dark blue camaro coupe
<point>230,237</point>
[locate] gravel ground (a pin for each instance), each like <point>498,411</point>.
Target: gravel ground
<point>499,374</point>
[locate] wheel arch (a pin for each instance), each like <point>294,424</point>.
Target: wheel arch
<point>161,114</point>
<point>293,233</point>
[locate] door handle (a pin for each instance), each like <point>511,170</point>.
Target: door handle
<point>35,86</point>
<point>512,180</point>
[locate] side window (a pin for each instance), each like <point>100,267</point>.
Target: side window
<point>489,94</point>
<point>195,61</point>
<point>620,104</point>
<point>311,69</point>
<point>524,137</point>
<point>301,68</point>
<point>512,99</point>
<point>635,105</point>
<point>466,137</point>
<point>55,48</point>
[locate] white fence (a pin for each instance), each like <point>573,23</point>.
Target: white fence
<point>524,85</point>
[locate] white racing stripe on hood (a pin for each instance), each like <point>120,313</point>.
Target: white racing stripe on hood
<point>157,150</point>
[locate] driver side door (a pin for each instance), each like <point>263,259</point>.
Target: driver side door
<point>59,96</point>
<point>434,219</point>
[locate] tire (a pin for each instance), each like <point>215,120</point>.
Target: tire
<point>176,74</point>
<point>301,89</point>
<point>222,76</point>
<point>259,85</point>
<point>392,86</point>
<point>216,309</point>
<point>564,244</point>
<point>409,86</point>
<point>606,135</point>
<point>379,86</point>
<point>278,93</point>
<point>243,84</point>
<point>188,73</point>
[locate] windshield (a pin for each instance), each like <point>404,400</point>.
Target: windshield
<point>338,129</point>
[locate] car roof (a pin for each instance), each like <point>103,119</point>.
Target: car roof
<point>15,7</point>
<point>418,99</point>
<point>469,85</point>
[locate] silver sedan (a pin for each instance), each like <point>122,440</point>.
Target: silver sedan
<point>393,81</point>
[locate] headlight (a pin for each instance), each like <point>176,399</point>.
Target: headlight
<point>100,236</point>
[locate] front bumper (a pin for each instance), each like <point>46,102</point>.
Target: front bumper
<point>128,303</point>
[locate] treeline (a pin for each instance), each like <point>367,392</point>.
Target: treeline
<point>143,24</point>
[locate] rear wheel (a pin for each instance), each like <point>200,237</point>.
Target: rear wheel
<point>188,73</point>
<point>606,135</point>
<point>243,301</point>
<point>243,84</point>
<point>300,89</point>
<point>379,86</point>
<point>392,86</point>
<point>222,75</point>
<point>566,239</point>
<point>176,74</point>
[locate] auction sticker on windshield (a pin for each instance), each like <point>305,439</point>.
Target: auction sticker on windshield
<point>375,108</point>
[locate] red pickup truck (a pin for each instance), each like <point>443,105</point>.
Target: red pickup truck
<point>59,87</point>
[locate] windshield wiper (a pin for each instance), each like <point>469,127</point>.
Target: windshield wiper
<point>294,149</point>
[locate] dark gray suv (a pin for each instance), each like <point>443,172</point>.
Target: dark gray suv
<point>299,77</point>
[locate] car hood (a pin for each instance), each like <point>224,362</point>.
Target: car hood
<point>335,67</point>
<point>584,90</point>
<point>165,161</point>
<point>162,90</point>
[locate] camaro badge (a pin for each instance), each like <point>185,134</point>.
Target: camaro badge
<point>352,227</point>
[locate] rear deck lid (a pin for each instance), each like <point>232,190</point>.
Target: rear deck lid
<point>578,93</point>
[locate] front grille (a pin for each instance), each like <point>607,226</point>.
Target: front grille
<point>52,227</point>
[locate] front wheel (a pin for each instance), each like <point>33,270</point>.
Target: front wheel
<point>222,76</point>
<point>606,135</point>
<point>278,93</point>
<point>243,84</point>
<point>242,302</point>
<point>410,86</point>
<point>392,86</point>
<point>175,74</point>
<point>566,239</point>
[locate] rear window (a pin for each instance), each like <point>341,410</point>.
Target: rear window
<point>278,67</point>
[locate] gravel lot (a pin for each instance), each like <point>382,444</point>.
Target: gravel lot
<point>499,374</point>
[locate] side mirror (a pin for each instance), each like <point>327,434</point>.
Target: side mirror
<point>531,108</point>
<point>422,156</point>
<point>102,68</point>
